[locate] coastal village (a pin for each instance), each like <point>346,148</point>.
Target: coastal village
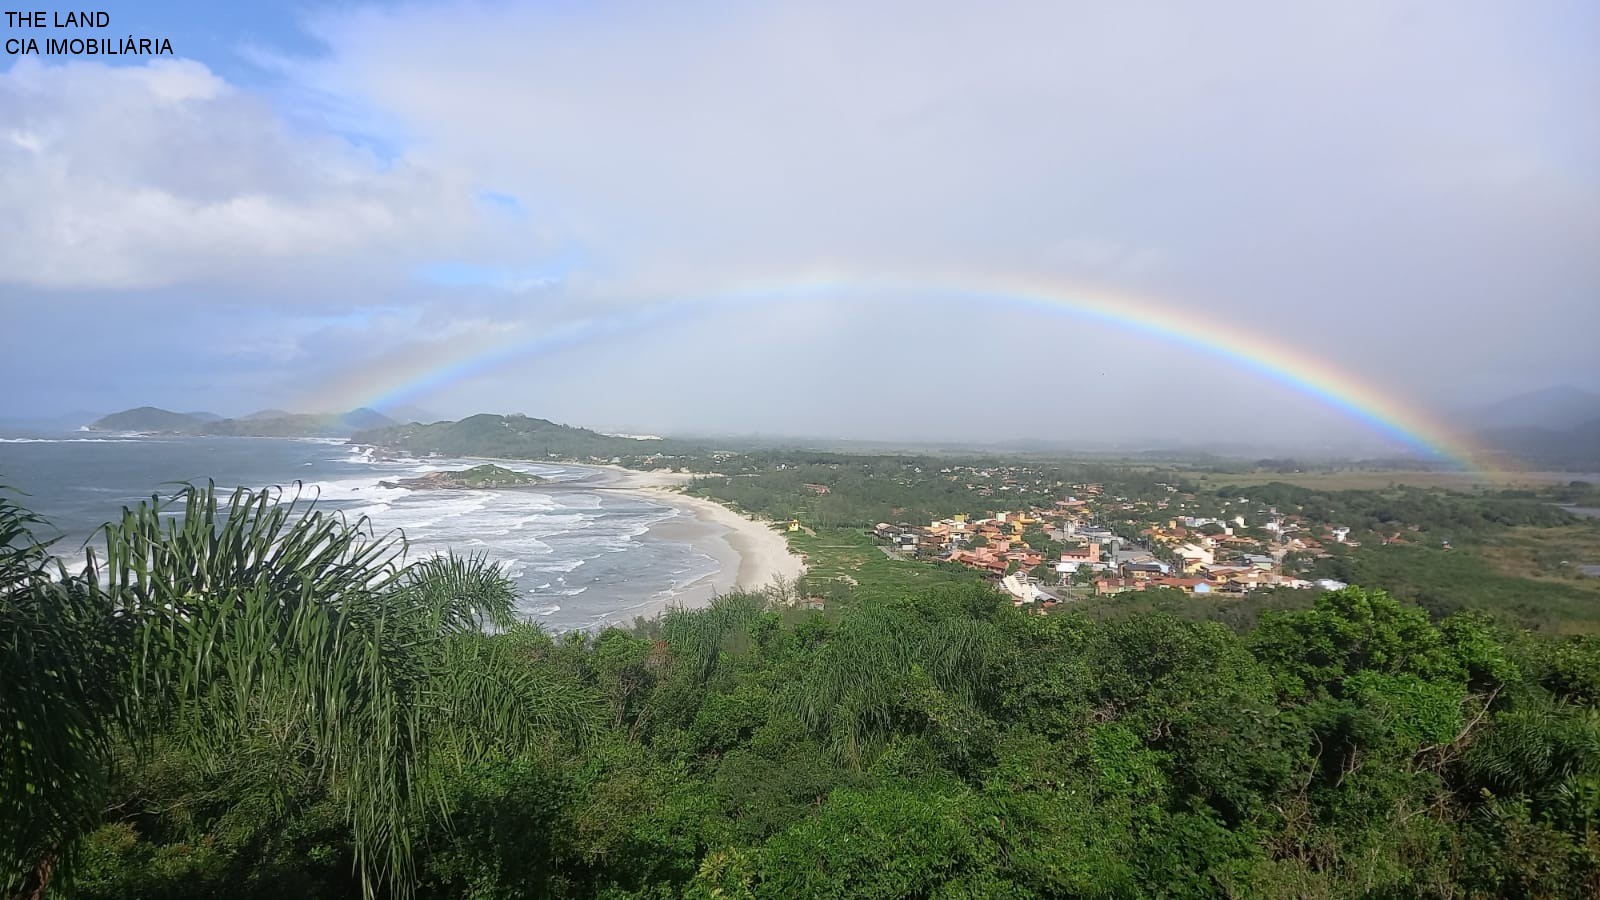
<point>1094,542</point>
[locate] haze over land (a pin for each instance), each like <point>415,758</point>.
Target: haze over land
<point>314,207</point>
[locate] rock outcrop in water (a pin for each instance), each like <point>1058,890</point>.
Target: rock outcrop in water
<point>475,478</point>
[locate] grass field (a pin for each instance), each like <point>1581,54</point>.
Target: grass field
<point>1547,554</point>
<point>850,556</point>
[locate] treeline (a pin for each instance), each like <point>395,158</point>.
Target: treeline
<point>1441,513</point>
<point>1447,582</point>
<point>298,723</point>
<point>846,490</point>
<point>850,494</point>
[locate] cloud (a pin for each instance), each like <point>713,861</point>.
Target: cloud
<point>1353,176</point>
<point>884,134</point>
<point>148,176</point>
<point>1411,190</point>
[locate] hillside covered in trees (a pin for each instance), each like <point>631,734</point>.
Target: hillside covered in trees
<point>266,423</point>
<point>516,437</point>
<point>260,702</point>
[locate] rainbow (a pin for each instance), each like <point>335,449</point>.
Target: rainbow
<point>403,379</point>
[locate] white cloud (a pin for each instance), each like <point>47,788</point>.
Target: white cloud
<point>163,174</point>
<point>1415,187</point>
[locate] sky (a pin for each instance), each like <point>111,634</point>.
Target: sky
<point>596,212</point>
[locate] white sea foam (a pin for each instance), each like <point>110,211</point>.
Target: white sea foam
<point>353,489</point>
<point>112,440</point>
<point>370,510</point>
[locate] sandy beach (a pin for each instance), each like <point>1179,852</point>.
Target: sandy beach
<point>751,554</point>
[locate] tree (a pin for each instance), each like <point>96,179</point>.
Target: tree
<point>1349,631</point>
<point>283,644</point>
<point>59,655</point>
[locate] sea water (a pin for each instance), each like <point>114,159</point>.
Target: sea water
<point>580,557</point>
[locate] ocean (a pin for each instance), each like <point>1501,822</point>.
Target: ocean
<point>580,558</point>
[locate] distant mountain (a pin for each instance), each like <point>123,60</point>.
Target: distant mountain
<point>1557,408</point>
<point>300,424</point>
<point>1575,449</point>
<point>266,423</point>
<point>515,437</point>
<point>364,419</point>
<point>146,418</point>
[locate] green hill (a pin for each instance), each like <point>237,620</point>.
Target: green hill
<point>477,477</point>
<point>147,418</point>
<point>298,424</point>
<point>267,423</point>
<point>516,437</point>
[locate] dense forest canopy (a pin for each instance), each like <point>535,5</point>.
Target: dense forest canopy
<point>917,737</point>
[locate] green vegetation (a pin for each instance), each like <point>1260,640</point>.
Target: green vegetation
<point>1403,510</point>
<point>254,699</point>
<point>280,665</point>
<point>517,437</point>
<point>1450,581</point>
<point>845,568</point>
<point>147,418</point>
<point>484,476</point>
<point>268,423</point>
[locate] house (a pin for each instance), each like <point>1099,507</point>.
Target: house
<point>1021,590</point>
<point>985,559</point>
<point>1141,571</point>
<point>1250,579</point>
<point>1089,554</point>
<point>1113,586</point>
<point>1065,567</point>
<point>1192,557</point>
<point>1187,585</point>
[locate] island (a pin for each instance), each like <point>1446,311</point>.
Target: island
<point>475,478</point>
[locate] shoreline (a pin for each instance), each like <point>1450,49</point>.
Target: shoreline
<point>750,554</point>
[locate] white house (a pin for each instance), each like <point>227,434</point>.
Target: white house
<point>1193,557</point>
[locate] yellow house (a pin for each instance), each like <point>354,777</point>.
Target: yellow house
<point>794,524</point>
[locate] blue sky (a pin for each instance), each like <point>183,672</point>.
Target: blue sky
<point>312,195</point>
<point>225,36</point>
